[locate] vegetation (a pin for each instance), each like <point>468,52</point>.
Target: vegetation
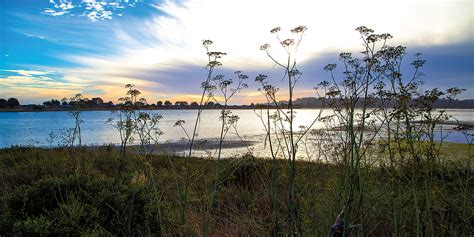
<point>378,169</point>
<point>97,103</point>
<point>42,195</point>
<point>3,103</point>
<point>11,103</point>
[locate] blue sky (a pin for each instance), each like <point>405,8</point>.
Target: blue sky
<point>57,48</point>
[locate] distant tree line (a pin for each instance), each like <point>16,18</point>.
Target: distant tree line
<point>312,102</point>
<point>98,103</point>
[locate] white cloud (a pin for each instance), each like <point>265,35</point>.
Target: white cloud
<point>64,5</point>
<point>96,11</point>
<point>92,9</point>
<point>31,85</point>
<point>240,27</point>
<point>27,73</point>
<point>37,79</point>
<point>61,7</point>
<point>52,12</point>
<point>172,38</point>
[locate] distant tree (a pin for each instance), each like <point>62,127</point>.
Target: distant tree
<point>64,102</point>
<point>194,104</point>
<point>52,102</point>
<point>168,103</point>
<point>38,107</point>
<point>13,103</point>
<point>139,104</point>
<point>3,103</point>
<point>97,101</point>
<point>252,104</point>
<point>210,103</point>
<point>55,102</point>
<point>159,103</point>
<point>87,103</point>
<point>181,103</point>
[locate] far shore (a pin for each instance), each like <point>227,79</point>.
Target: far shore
<point>113,109</point>
<point>150,108</point>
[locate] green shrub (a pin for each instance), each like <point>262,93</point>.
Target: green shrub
<point>78,204</point>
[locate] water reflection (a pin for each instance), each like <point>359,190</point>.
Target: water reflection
<point>33,128</point>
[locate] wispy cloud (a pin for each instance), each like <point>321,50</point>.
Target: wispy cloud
<point>154,49</point>
<point>53,12</point>
<point>27,73</point>
<point>38,79</point>
<point>173,36</point>
<point>31,85</point>
<point>41,37</point>
<point>162,54</point>
<point>35,36</point>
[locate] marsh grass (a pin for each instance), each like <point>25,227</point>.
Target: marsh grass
<point>41,195</point>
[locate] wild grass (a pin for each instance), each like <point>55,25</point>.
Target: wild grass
<point>42,195</point>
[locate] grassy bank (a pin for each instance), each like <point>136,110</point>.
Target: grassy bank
<point>48,192</point>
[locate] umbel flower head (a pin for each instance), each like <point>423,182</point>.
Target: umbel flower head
<point>260,78</point>
<point>288,42</point>
<point>207,42</point>
<point>275,30</point>
<point>299,29</point>
<point>216,54</point>
<point>264,47</point>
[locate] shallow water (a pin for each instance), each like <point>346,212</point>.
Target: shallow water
<point>34,128</point>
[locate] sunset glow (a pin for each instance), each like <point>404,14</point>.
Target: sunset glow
<point>54,49</point>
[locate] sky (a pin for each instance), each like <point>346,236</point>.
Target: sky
<point>58,48</point>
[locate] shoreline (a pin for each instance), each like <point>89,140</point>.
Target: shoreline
<point>116,109</point>
<point>169,146</point>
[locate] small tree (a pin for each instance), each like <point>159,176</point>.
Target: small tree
<point>3,103</point>
<point>77,104</point>
<point>126,122</point>
<point>75,134</point>
<point>52,102</point>
<point>13,103</point>
<point>97,101</point>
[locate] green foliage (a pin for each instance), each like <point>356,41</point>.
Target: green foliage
<point>52,201</point>
<point>79,204</point>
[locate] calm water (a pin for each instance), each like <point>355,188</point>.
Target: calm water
<point>33,128</point>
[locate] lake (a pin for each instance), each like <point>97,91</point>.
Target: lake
<point>34,128</point>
